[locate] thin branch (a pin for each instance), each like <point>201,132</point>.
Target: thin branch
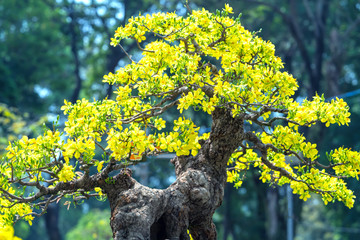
<point>188,8</point>
<point>141,48</point>
<point>310,13</point>
<point>126,53</point>
<point>223,34</point>
<point>351,27</point>
<point>167,35</point>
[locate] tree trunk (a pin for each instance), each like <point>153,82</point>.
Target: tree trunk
<point>138,212</point>
<point>74,50</point>
<point>272,213</point>
<point>52,222</point>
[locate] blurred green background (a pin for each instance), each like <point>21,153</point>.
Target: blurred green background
<point>51,50</point>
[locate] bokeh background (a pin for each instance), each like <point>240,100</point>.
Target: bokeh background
<point>51,50</point>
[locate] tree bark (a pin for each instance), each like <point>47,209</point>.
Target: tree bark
<point>138,212</point>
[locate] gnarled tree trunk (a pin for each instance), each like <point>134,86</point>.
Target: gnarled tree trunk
<point>139,212</point>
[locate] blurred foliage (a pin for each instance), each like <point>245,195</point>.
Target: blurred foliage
<point>14,124</point>
<point>93,225</point>
<point>22,229</point>
<point>35,56</point>
<point>327,223</point>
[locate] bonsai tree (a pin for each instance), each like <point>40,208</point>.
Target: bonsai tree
<point>204,61</point>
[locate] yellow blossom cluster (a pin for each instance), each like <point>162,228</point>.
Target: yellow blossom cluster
<point>205,61</point>
<point>24,159</point>
<point>86,119</point>
<point>26,155</point>
<point>248,73</point>
<point>79,147</point>
<point>240,162</point>
<point>132,140</point>
<point>310,112</point>
<point>297,160</point>
<point>66,174</point>
<point>9,210</point>
<point>346,162</point>
<point>183,140</point>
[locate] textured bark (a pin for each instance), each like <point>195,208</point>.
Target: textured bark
<point>139,212</point>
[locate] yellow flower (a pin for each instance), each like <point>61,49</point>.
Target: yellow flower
<point>100,166</point>
<point>66,174</point>
<point>228,9</point>
<point>98,190</point>
<point>231,176</point>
